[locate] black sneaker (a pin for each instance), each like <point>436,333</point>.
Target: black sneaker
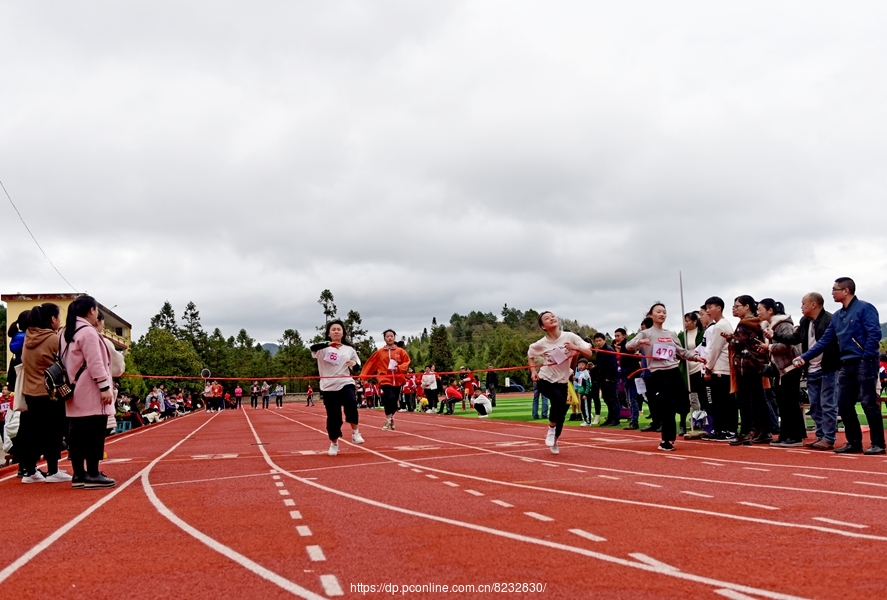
<point>77,482</point>
<point>630,427</point>
<point>98,481</point>
<point>666,447</point>
<point>873,450</point>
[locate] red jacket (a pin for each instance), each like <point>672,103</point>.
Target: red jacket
<point>377,366</point>
<point>453,392</point>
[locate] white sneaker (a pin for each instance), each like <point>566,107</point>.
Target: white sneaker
<point>583,424</point>
<point>356,438</point>
<point>59,477</point>
<point>596,420</point>
<point>37,477</point>
<point>550,440</point>
<point>334,449</point>
<point>555,449</point>
<point>387,425</point>
<point>483,416</point>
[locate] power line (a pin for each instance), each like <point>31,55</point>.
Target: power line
<point>35,239</point>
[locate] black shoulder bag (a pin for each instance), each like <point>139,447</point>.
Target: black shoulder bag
<point>55,377</point>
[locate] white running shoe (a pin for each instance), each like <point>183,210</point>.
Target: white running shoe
<point>387,425</point>
<point>596,420</point>
<point>583,424</point>
<point>37,477</point>
<point>59,477</point>
<point>550,440</point>
<point>555,449</point>
<point>356,438</point>
<point>483,416</point>
<point>334,449</point>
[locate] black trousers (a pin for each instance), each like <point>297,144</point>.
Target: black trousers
<point>410,402</point>
<point>670,395</point>
<point>334,403</point>
<point>265,400</point>
<point>278,401</point>
<point>753,411</point>
<point>792,425</point>
<point>481,410</point>
<point>611,399</point>
<point>86,443</point>
<point>491,392</point>
<point>558,403</point>
<point>389,399</point>
<point>432,398</point>
<point>723,409</point>
<point>41,430</point>
<point>254,401</point>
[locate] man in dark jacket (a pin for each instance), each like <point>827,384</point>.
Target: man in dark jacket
<point>607,375</point>
<point>492,384</point>
<point>856,328</point>
<point>629,369</point>
<point>821,371</point>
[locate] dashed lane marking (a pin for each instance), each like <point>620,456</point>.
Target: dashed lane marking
<point>844,523</point>
<point>608,477</point>
<point>502,503</point>
<point>550,465</point>
<point>809,476</point>
<point>451,484</point>
<point>870,483</point>
<point>756,469</point>
<point>278,483</point>
<point>576,470</point>
<point>430,476</point>
<point>649,560</point>
<point>674,457</point>
<point>304,530</point>
<point>275,477</point>
<point>587,536</point>
<point>648,484</point>
<point>331,585</point>
<point>289,502</point>
<point>756,505</point>
<point>294,514</point>
<point>714,464</point>
<point>315,553</point>
<point>696,494</point>
<point>474,492</point>
<point>734,595</point>
<point>284,492</point>
<point>536,515</point>
<point>416,470</point>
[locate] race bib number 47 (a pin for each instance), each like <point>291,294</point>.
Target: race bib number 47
<point>663,351</point>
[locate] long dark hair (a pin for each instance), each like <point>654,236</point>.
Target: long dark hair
<point>80,307</point>
<point>748,301</point>
<point>778,308</point>
<point>345,340</point>
<point>41,316</point>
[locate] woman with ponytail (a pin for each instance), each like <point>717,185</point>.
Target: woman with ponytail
<point>88,364</point>
<point>43,424</point>
<point>748,357</point>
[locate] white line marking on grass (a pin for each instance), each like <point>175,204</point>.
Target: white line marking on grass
<point>315,553</point>
<point>714,464</point>
<point>844,523</point>
<point>304,530</point>
<point>294,514</point>
<point>451,484</point>
<point>429,476</point>
<point>502,503</point>
<point>536,515</point>
<point>587,536</point>
<point>648,484</point>
<point>755,505</point>
<point>809,476</point>
<point>734,595</point>
<point>870,483</point>
<point>474,492</point>
<point>649,560</point>
<point>289,502</point>
<point>696,494</point>
<point>756,469</point>
<point>576,470</point>
<point>58,533</point>
<point>331,585</point>
<point>284,492</point>
<point>608,477</point>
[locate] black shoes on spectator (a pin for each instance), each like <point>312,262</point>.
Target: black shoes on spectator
<point>848,449</point>
<point>97,481</point>
<point>875,450</point>
<point>651,428</point>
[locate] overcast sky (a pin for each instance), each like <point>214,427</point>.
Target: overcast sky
<point>425,158</point>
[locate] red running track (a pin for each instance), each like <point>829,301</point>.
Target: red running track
<point>248,504</point>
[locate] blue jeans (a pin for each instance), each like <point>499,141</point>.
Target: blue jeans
<point>536,396</point>
<point>631,392</point>
<point>823,403</point>
<point>856,383</point>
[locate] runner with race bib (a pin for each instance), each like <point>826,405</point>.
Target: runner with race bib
<point>665,385</point>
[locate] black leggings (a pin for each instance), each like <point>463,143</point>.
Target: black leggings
<point>389,399</point>
<point>431,395</point>
<point>86,442</point>
<point>334,403</point>
<point>671,396</point>
<point>254,401</point>
<point>792,425</point>
<point>42,428</point>
<point>278,401</point>
<point>558,404</point>
<point>265,401</point>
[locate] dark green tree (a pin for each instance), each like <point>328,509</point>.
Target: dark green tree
<point>165,319</point>
<point>158,352</point>
<point>192,331</point>
<point>441,354</point>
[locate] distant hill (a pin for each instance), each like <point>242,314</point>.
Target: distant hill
<point>273,348</point>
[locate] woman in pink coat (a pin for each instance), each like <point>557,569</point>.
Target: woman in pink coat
<point>88,364</point>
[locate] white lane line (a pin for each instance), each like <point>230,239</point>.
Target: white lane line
<point>870,483</point>
<point>416,470</point>
<point>755,505</point>
<point>275,477</point>
<point>474,492</point>
<point>528,460</point>
<point>734,595</point>
<point>275,471</point>
<point>304,530</point>
<point>587,536</point>
<point>432,476</point>
<point>289,502</point>
<point>331,585</point>
<point>315,553</point>
<point>674,457</point>
<point>284,492</point>
<point>714,464</point>
<point>536,515</point>
<point>756,469</point>
<point>58,533</point>
<point>576,470</point>
<point>549,464</point>
<point>278,483</point>
<point>206,480</point>
<point>502,503</point>
<point>803,451</point>
<point>648,484</point>
<point>696,494</point>
<point>608,477</point>
<point>844,523</point>
<point>809,476</point>
<point>402,465</point>
<point>615,560</point>
<point>844,456</point>
<point>649,560</point>
<point>451,484</point>
<point>294,514</point>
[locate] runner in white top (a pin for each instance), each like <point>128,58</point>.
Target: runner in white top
<point>335,357</point>
<point>554,352</point>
